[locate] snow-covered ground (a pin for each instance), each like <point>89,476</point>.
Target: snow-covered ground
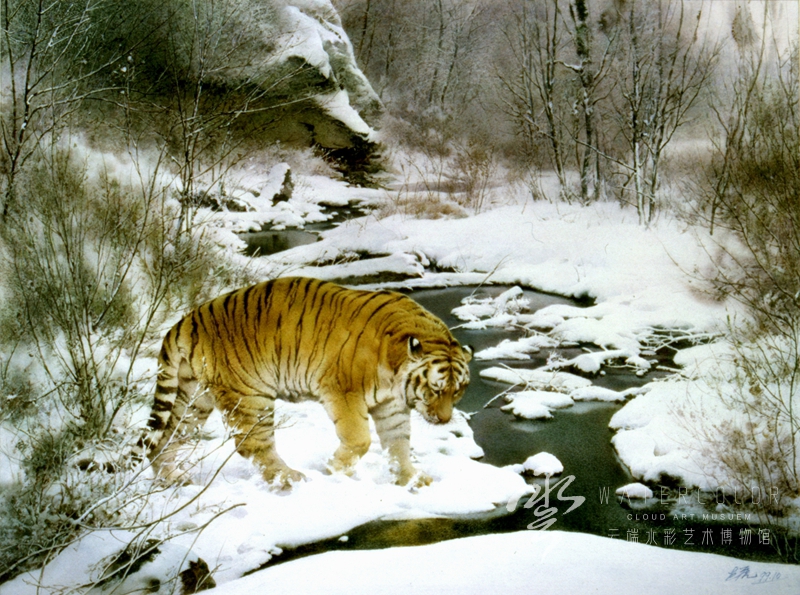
<point>643,282</point>
<point>523,562</point>
<point>526,562</point>
<point>258,523</point>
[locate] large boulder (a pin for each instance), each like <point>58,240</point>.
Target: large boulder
<point>286,68</point>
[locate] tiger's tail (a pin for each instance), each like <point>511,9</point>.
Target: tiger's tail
<point>155,434</point>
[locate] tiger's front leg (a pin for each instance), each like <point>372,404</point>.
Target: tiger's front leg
<point>349,415</point>
<point>393,424</point>
<point>253,420</point>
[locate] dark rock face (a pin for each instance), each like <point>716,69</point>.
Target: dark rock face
<point>287,187</point>
<point>285,68</point>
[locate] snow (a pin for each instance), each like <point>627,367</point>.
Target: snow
<point>662,431</point>
<point>542,562</point>
<point>543,463</point>
<point>338,106</point>
<point>635,490</point>
<point>537,379</point>
<point>593,362</point>
<point>518,349</point>
<point>312,31</point>
<point>598,393</point>
<point>398,264</point>
<point>491,312</point>
<point>325,505</point>
<point>92,557</point>
<point>536,404</point>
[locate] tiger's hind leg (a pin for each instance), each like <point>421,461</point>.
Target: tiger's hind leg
<point>190,410</point>
<point>252,418</point>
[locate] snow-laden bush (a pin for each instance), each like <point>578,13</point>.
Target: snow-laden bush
<point>751,190</point>
<point>764,446</point>
<point>92,272</point>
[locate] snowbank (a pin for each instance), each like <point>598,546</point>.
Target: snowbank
<point>669,430</point>
<point>524,562</point>
<point>325,505</point>
<point>116,562</point>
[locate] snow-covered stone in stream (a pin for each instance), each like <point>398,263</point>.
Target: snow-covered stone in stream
<point>537,379</point>
<point>637,491</point>
<point>542,463</point>
<point>535,404</point>
<point>500,311</point>
<point>518,349</point>
<point>598,393</point>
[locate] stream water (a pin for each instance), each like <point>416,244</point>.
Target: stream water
<point>271,241</point>
<point>581,439</point>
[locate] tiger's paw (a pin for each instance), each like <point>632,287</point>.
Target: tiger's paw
<point>338,466</point>
<point>282,480</point>
<point>413,479</point>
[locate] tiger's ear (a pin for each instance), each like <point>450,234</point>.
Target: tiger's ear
<point>414,346</point>
<point>468,351</point>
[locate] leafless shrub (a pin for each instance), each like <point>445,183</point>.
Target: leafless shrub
<point>92,269</point>
<point>475,166</point>
<point>751,188</point>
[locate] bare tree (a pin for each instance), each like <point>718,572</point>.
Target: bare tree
<point>664,70</point>
<point>46,66</point>
<point>591,68</point>
<point>752,190</point>
<point>217,91</point>
<point>734,106</point>
<point>534,87</point>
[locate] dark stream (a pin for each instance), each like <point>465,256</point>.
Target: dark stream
<point>268,241</point>
<point>581,439</point>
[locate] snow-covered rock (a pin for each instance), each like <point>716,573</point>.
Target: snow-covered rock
<point>517,349</point>
<point>637,491</point>
<point>292,56</point>
<point>537,379</point>
<point>536,404</point>
<point>542,463</point>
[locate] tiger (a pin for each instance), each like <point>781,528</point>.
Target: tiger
<point>359,353</point>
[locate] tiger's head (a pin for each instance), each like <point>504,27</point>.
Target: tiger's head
<point>437,376</point>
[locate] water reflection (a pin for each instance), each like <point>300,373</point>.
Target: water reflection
<point>263,243</point>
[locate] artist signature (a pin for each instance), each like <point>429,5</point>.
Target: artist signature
<point>744,573</point>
